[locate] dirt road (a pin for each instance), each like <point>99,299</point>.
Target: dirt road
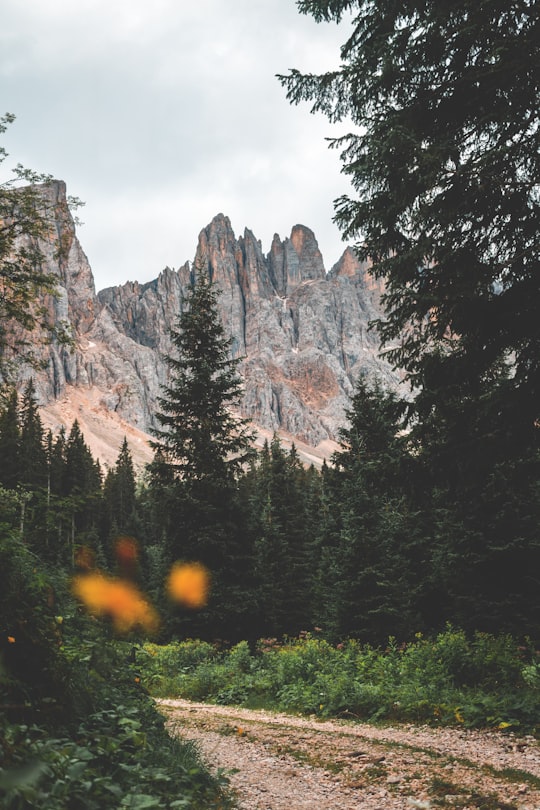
<point>280,762</point>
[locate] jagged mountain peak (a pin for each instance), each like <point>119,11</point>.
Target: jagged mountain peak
<point>301,334</point>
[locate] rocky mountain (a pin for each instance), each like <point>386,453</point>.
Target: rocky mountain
<point>301,334</point>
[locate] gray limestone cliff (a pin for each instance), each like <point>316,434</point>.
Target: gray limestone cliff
<point>301,334</point>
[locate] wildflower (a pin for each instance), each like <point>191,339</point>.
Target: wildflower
<point>126,550</point>
<point>84,558</point>
<point>459,717</point>
<point>189,583</point>
<point>11,639</point>
<point>120,600</point>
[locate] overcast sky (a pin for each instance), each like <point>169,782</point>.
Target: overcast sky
<point>159,114</point>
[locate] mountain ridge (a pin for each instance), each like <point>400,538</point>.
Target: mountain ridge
<point>301,335</point>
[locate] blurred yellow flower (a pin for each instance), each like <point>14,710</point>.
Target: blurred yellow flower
<point>120,600</point>
<point>189,584</point>
<point>85,558</point>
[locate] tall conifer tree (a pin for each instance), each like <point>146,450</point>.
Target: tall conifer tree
<point>199,435</point>
<point>33,456</point>
<point>205,446</point>
<point>10,438</point>
<point>444,163</point>
<point>119,492</point>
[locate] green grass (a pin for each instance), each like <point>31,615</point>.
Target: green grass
<point>451,679</point>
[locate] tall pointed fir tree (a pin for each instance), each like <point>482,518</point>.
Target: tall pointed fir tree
<point>33,456</point>
<point>374,557</point>
<point>279,488</point>
<point>10,439</point>
<point>199,435</point>
<point>119,494</point>
<point>444,159</point>
<point>205,446</point>
<point>82,493</point>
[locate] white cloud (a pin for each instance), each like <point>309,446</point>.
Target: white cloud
<point>160,115</point>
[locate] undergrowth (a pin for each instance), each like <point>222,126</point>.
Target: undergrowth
<point>78,729</point>
<point>450,679</point>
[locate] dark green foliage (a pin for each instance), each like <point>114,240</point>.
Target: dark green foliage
<point>450,679</point>
<point>82,473</point>
<point>201,449</point>
<point>120,509</point>
<point>32,452</point>
<point>27,646</point>
<point>444,164</point>
<point>76,728</point>
<point>278,488</point>
<point>200,437</point>
<point>119,490</point>
<point>10,439</point>
<point>373,552</point>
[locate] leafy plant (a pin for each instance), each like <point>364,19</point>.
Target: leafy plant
<point>450,679</point>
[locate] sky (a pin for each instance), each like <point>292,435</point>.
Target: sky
<point>160,114</point>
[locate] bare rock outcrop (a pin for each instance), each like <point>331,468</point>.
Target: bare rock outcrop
<point>301,335</point>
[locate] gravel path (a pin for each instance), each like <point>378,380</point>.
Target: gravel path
<point>281,762</point>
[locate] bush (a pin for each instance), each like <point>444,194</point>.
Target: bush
<point>77,728</point>
<point>449,679</point>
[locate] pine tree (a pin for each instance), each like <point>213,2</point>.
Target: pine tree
<point>33,457</point>
<point>56,458</point>
<point>281,524</point>
<point>10,438</point>
<point>444,165</point>
<point>119,492</point>
<point>375,559</point>
<point>82,474</point>
<point>81,502</point>
<point>205,447</point>
<point>199,435</point>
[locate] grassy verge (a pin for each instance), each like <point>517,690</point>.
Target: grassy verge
<point>450,679</point>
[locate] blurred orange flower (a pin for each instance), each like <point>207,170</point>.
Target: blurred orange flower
<point>189,584</point>
<point>11,639</point>
<point>120,600</point>
<point>84,557</point>
<point>127,550</point>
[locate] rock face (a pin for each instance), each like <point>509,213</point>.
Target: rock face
<point>301,335</point>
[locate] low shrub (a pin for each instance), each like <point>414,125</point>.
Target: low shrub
<point>78,729</point>
<point>450,679</point>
